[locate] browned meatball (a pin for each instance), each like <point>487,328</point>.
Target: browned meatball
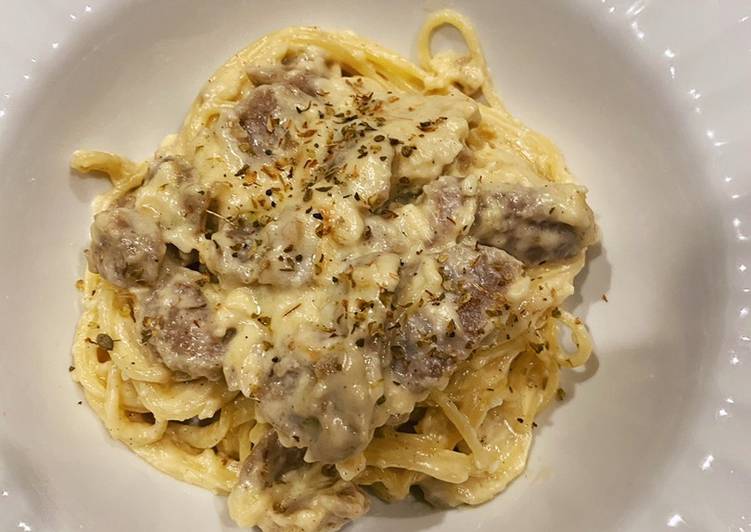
<point>176,321</point>
<point>281,253</point>
<point>449,210</point>
<point>535,224</point>
<point>270,461</point>
<point>260,118</point>
<point>432,335</point>
<point>279,473</point>
<point>126,247</point>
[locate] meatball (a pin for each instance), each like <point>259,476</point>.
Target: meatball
<point>325,406</point>
<point>127,247</point>
<point>278,491</point>
<point>270,461</point>
<point>535,224</point>
<point>176,321</point>
<point>442,327</point>
<point>448,209</point>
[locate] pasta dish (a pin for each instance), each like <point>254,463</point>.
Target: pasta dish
<point>344,272</point>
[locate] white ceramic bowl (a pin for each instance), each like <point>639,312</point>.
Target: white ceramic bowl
<point>648,100</point>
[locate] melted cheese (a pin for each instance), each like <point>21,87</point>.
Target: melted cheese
<point>366,265</point>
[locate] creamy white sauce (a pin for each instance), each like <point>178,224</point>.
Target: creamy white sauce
<point>319,213</point>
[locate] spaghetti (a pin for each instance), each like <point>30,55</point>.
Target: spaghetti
<point>344,270</point>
